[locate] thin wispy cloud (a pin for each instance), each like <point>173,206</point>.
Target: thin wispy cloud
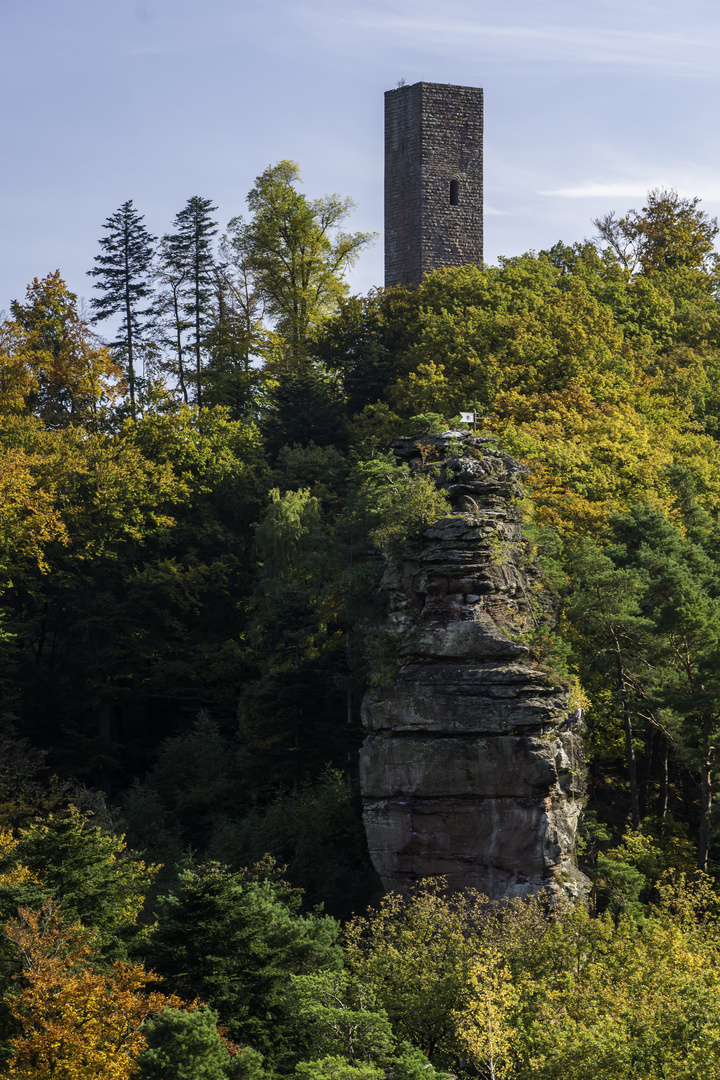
<point>688,47</point>
<point>636,189</point>
<point>611,190</point>
<point>587,107</point>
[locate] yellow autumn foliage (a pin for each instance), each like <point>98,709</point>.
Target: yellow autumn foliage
<point>77,1023</point>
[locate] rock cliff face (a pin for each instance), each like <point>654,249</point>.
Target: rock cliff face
<point>472,767</point>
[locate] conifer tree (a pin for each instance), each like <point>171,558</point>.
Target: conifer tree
<point>233,940</point>
<point>124,280</point>
<point>189,251</point>
<point>172,324</point>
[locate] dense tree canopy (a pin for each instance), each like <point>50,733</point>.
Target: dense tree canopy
<point>185,591</point>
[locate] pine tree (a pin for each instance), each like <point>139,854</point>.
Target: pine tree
<point>189,251</point>
<point>184,1045</point>
<point>123,272</point>
<point>234,940</point>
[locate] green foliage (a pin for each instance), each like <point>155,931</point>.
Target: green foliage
<point>305,406</point>
<point>341,1016</point>
<point>321,469</point>
<point>343,1028</point>
<point>591,834</point>
<point>335,1067</point>
<point>123,273</point>
<point>366,342</point>
<point>393,502</point>
<point>409,1063</point>
<point>624,882</point>
<point>182,598</point>
<point>177,805</point>
<point>233,939</point>
<point>128,581</point>
<point>564,993</point>
<point>646,618</point>
<point>91,872</point>
<point>287,533</point>
<point>27,788</point>
<point>599,380</point>
<point>415,956</point>
<point>51,366</point>
<point>317,834</point>
<point>189,257</point>
<point>669,234</point>
<point>184,1045</point>
<point>296,252</point>
<point>622,999</point>
<point>296,653</point>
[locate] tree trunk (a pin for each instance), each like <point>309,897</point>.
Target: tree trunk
<point>705,795</point>
<point>42,635</point>
<point>178,330</point>
<point>349,717</point>
<point>198,361</point>
<point>663,794</point>
<point>646,768</point>
<point>631,767</point>
<point>629,748</point>
<point>128,319</point>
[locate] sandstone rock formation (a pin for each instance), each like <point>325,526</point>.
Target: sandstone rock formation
<point>473,767</point>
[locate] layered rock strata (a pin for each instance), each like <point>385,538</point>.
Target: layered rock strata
<point>473,765</point>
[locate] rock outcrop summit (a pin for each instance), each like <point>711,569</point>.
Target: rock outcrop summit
<point>473,764</point>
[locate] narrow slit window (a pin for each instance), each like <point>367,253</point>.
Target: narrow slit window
<point>454,192</point>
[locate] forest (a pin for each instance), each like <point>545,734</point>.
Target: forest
<point>196,499</point>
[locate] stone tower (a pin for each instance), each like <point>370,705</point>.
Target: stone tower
<point>433,180</point>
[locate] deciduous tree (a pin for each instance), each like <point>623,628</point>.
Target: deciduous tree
<point>416,956</point>
<point>76,1022</point>
<point>670,233</point>
<point>57,369</point>
<point>296,251</point>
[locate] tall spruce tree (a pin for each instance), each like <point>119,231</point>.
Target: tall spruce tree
<point>189,251</point>
<point>124,280</point>
<point>171,322</point>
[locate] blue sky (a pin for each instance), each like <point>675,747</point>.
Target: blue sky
<point>586,107</point>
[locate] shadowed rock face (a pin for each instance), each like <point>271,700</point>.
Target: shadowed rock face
<point>471,768</point>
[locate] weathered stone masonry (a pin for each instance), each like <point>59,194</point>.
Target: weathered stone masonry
<point>433,180</point>
<point>472,767</point>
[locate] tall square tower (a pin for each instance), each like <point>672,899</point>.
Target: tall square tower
<point>433,180</point>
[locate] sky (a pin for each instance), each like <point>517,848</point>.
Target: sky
<point>587,107</point>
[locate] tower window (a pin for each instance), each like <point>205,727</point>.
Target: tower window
<point>454,192</point>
